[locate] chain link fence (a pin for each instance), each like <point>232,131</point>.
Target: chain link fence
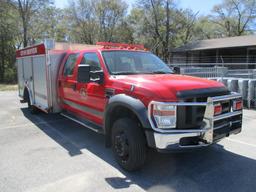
<point>206,72</point>
<point>210,70</point>
<point>237,80</point>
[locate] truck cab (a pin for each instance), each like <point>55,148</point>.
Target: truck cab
<point>132,97</point>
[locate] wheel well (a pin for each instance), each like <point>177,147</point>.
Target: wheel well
<point>115,114</point>
<point>26,95</point>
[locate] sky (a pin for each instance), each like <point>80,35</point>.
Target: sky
<point>203,6</point>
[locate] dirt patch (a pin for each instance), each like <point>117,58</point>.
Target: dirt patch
<point>8,87</point>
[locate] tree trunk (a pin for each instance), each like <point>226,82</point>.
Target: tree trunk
<point>167,35</point>
<point>2,61</point>
<point>25,40</point>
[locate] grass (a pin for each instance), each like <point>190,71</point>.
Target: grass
<point>8,87</point>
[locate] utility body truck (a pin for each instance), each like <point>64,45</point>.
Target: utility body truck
<point>128,94</point>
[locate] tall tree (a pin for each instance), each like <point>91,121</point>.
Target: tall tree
<point>8,34</point>
<point>109,14</point>
<point>186,25</point>
<point>27,10</point>
<point>96,20</point>
<point>83,21</point>
<point>235,17</point>
<point>161,25</point>
<point>49,22</point>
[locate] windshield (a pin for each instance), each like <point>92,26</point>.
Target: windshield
<point>132,62</point>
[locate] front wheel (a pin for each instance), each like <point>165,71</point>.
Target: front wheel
<point>128,144</point>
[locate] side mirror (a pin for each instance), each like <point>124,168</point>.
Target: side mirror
<point>83,75</point>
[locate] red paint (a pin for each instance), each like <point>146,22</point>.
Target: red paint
<point>148,87</point>
<point>159,87</point>
<point>91,95</point>
<point>29,51</point>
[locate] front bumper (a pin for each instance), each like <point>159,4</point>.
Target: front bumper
<point>211,132</point>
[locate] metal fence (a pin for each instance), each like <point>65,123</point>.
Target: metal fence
<point>242,73</point>
<point>238,80</point>
<point>210,70</point>
<point>206,72</point>
<point>246,87</point>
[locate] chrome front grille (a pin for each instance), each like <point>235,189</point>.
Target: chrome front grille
<point>191,117</point>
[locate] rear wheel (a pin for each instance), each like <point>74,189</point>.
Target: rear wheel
<point>128,144</point>
<point>31,108</point>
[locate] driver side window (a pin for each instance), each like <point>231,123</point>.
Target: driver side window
<point>92,60</point>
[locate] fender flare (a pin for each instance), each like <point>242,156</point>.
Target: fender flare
<point>133,104</point>
<point>29,93</point>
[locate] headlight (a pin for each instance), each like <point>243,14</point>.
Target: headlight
<point>164,115</point>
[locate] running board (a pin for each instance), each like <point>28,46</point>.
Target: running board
<point>83,122</point>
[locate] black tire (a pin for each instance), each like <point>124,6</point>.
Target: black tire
<point>128,144</point>
<point>32,108</point>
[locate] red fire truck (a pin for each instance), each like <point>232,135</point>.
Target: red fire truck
<point>129,95</point>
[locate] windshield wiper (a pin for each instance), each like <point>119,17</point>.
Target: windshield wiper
<point>161,72</point>
<point>140,72</point>
<point>124,73</point>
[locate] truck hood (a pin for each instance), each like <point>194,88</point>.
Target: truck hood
<point>161,86</point>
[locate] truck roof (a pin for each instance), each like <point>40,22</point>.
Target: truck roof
<point>40,49</point>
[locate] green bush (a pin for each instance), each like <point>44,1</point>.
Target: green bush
<point>10,76</point>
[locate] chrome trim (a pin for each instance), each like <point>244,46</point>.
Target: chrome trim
<point>208,113</point>
<point>227,97</point>
<point>227,124</point>
<point>180,103</point>
<point>162,141</point>
<point>227,115</point>
<point>83,108</point>
<point>79,122</point>
<point>208,121</point>
<point>166,138</point>
<point>237,121</point>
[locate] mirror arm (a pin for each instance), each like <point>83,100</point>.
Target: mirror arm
<point>95,80</point>
<point>94,72</point>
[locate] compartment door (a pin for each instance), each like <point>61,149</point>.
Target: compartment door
<point>20,77</point>
<point>41,82</point>
<point>28,75</point>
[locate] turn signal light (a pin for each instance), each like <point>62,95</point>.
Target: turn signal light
<point>163,113</point>
<point>217,109</point>
<point>237,105</point>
